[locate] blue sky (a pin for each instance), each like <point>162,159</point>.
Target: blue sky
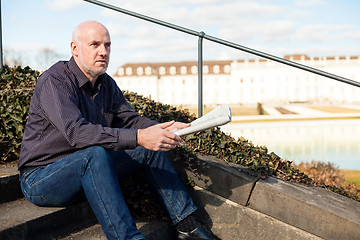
<point>278,27</point>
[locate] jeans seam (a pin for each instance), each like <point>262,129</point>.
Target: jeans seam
<point>52,173</point>
<point>162,191</point>
<point>103,205</point>
<point>178,217</point>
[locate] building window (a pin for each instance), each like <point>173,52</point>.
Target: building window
<point>183,70</point>
<point>227,68</point>
<point>206,69</point>
<point>172,70</point>
<point>216,69</point>
<point>162,70</point>
<point>140,71</point>
<point>121,71</point>
<point>128,71</point>
<point>148,70</point>
<point>194,69</point>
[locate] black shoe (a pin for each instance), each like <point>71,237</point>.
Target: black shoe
<point>199,233</point>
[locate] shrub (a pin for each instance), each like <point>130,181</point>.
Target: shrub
<point>327,176</point>
<point>16,86</point>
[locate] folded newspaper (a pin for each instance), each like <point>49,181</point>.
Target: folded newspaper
<point>220,115</point>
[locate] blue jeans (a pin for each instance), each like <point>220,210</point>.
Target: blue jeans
<point>95,172</point>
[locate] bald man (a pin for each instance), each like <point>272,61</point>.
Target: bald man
<point>82,136</point>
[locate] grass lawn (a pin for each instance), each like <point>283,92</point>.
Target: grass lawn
<point>235,111</point>
<point>351,176</point>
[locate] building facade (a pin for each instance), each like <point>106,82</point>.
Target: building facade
<point>243,81</point>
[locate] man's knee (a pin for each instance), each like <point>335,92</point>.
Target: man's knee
<point>158,157</point>
<point>97,150</point>
<point>98,155</point>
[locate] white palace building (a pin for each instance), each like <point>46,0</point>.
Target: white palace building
<point>243,82</point>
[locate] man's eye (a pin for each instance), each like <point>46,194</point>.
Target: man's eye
<point>94,44</point>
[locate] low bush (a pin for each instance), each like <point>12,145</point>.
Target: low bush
<point>16,87</point>
<point>328,176</point>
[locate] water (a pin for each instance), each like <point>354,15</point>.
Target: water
<point>334,141</point>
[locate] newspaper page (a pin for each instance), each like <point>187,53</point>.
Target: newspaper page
<point>219,116</point>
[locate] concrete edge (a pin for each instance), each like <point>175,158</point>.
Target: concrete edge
<point>312,209</point>
<point>236,182</point>
<point>230,220</point>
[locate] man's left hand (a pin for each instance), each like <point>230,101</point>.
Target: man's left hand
<point>177,125</point>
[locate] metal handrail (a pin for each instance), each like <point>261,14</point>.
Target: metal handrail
<point>202,36</point>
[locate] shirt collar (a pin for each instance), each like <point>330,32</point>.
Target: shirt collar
<point>80,75</point>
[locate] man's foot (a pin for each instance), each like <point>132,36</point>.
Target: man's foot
<point>199,233</point>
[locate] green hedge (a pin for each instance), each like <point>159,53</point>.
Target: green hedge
<point>16,86</point>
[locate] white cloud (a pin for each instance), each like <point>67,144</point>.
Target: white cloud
<point>309,3</point>
<point>277,28</point>
<point>63,4</point>
<point>197,14</point>
<point>324,33</point>
<point>24,47</point>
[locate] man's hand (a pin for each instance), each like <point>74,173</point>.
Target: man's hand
<point>177,125</point>
<point>159,137</point>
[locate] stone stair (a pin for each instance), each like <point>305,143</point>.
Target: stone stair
<point>20,220</point>
<point>232,202</point>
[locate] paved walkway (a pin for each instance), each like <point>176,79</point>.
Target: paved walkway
<point>301,112</point>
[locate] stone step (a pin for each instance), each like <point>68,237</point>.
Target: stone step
<point>152,230</point>
<point>22,220</point>
<point>9,183</point>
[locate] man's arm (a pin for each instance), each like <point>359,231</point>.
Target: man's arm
<point>59,104</point>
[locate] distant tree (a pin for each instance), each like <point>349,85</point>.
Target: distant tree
<point>13,57</point>
<point>46,57</point>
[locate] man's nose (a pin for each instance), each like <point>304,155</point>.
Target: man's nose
<point>103,50</point>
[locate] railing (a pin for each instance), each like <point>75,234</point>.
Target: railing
<point>201,35</point>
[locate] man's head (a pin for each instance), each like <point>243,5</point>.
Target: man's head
<point>90,47</point>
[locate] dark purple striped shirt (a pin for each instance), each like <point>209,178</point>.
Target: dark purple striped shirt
<point>67,114</point>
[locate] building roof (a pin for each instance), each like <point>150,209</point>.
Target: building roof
<point>212,67</point>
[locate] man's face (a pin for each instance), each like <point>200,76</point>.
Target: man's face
<point>92,50</point>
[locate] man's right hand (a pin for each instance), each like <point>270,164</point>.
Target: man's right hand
<point>156,138</point>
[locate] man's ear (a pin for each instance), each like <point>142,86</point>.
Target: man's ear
<point>74,48</point>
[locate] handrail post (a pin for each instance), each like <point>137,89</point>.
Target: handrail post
<point>200,74</point>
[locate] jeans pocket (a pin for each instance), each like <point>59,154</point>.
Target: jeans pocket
<point>27,176</point>
<point>39,200</point>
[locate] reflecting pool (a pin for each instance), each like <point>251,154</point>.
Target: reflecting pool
<point>335,141</point>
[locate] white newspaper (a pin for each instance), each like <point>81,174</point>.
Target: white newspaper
<point>220,115</point>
